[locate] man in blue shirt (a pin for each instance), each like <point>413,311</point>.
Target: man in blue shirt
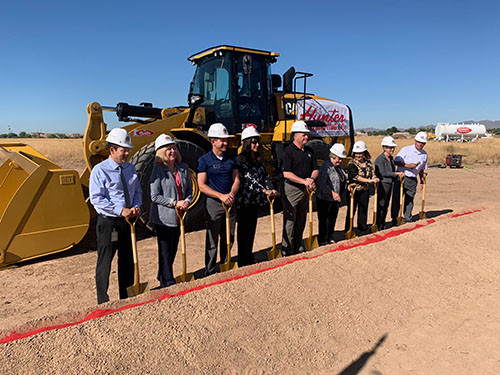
<point>115,192</point>
<point>219,180</point>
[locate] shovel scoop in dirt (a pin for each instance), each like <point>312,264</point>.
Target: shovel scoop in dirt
<point>312,241</point>
<point>184,276</point>
<point>422,214</point>
<point>138,287</point>
<point>273,253</point>
<point>228,265</point>
<point>350,233</point>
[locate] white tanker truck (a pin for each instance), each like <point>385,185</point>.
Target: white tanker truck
<point>459,132</point>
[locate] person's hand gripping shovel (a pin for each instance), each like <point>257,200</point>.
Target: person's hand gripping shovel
<point>312,241</point>
<point>401,201</point>
<point>422,214</point>
<point>350,233</point>
<point>228,265</point>
<point>375,199</point>
<point>138,287</point>
<point>273,253</point>
<point>184,276</point>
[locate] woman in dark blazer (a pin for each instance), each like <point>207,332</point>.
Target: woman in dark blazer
<point>386,172</point>
<point>170,187</point>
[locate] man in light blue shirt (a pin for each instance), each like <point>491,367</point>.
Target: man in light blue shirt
<point>412,160</point>
<point>115,192</point>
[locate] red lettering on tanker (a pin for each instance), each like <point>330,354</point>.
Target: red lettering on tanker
<point>464,130</point>
<point>143,133</point>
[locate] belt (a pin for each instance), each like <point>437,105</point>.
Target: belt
<point>297,185</point>
<point>111,217</point>
<point>411,178</point>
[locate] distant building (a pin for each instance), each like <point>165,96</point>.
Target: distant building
<point>397,135</point>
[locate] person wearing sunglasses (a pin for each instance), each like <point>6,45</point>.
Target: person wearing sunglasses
<point>255,185</point>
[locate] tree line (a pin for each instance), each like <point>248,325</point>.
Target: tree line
<point>24,134</point>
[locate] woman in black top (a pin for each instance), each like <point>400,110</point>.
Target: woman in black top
<point>386,172</point>
<point>360,172</point>
<point>255,184</point>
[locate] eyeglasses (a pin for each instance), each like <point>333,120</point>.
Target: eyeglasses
<point>254,141</point>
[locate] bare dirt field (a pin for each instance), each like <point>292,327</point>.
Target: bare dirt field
<point>422,298</point>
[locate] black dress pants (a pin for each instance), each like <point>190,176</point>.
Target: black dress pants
<point>106,250</point>
<point>327,216</point>
<point>247,224</point>
<point>384,197</point>
<point>168,241</point>
<point>361,198</point>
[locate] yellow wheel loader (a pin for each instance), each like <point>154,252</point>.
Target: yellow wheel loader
<point>44,209</point>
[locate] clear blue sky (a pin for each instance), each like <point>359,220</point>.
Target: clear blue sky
<point>403,63</point>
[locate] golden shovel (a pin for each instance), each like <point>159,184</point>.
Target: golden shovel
<point>184,276</point>
<point>138,287</point>
<point>374,225</point>
<point>273,253</point>
<point>350,233</point>
<point>401,201</point>
<point>228,265</point>
<point>312,241</point>
<point>422,214</point>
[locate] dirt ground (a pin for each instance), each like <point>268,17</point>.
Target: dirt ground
<point>422,302</point>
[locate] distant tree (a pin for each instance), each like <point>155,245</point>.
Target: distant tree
<point>412,130</point>
<point>4,135</point>
<point>392,130</point>
<point>422,129</point>
<point>12,135</point>
<point>23,134</point>
<point>52,135</point>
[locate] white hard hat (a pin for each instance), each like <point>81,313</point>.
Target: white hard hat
<point>162,141</point>
<point>359,146</point>
<point>249,132</point>
<point>338,149</point>
<point>421,137</point>
<point>119,137</point>
<point>299,127</point>
<point>217,130</point>
<point>388,142</point>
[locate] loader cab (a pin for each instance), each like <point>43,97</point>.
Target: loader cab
<point>235,84</point>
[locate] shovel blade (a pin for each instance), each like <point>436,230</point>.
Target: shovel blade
<point>422,215</point>
<point>401,220</point>
<point>273,254</point>
<point>374,228</point>
<point>350,235</point>
<point>184,278</point>
<point>137,289</point>
<point>311,243</point>
<point>228,266</point>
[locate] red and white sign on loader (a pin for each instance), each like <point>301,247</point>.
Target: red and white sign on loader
<point>334,115</point>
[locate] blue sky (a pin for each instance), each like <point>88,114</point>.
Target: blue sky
<point>403,63</point>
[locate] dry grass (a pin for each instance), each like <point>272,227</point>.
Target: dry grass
<point>484,151</point>
<point>68,152</point>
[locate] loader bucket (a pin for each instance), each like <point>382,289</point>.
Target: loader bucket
<point>42,207</point>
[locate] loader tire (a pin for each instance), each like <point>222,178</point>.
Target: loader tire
<point>143,161</point>
<point>321,150</point>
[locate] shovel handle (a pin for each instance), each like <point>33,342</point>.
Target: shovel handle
<point>132,223</point>
<point>228,235</point>
<point>401,202</point>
